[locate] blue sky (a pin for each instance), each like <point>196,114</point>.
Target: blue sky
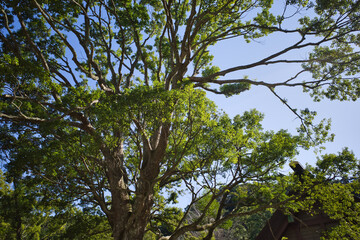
<point>345,115</point>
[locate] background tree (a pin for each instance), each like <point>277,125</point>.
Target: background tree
<point>103,103</point>
<point>28,212</point>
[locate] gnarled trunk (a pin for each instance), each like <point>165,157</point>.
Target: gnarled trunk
<point>129,219</point>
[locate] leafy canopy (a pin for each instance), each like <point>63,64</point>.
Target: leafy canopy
<point>104,112</point>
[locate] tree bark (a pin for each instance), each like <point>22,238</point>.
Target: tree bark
<point>129,220</point>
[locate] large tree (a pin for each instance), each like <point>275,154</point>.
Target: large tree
<point>103,104</point>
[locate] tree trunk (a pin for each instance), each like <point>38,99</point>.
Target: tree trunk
<point>128,220</point>
<point>121,209</point>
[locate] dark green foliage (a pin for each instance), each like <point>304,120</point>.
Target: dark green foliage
<point>233,89</point>
<point>27,213</point>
